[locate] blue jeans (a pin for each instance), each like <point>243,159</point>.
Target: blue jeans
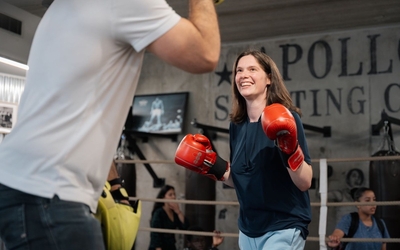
<point>36,223</point>
<point>288,239</point>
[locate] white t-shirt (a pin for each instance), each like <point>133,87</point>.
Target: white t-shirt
<point>85,63</point>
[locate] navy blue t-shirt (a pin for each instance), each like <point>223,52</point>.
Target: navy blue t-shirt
<point>268,198</point>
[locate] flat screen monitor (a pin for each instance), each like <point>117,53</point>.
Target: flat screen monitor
<point>157,113</point>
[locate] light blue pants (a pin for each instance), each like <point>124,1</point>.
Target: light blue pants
<point>288,239</point>
<point>35,223</point>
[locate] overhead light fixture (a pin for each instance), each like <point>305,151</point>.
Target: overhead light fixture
<point>14,63</point>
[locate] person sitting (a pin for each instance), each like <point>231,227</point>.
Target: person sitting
<point>361,224</point>
<point>199,242</point>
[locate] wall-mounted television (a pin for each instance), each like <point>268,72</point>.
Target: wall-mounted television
<point>157,113</point>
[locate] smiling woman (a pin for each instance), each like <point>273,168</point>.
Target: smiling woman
<point>269,163</point>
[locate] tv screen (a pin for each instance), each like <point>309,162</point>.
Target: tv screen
<point>157,113</point>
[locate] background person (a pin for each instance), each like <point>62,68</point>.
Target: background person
<point>84,66</point>
<point>269,160</point>
<point>367,225</point>
<point>344,193</point>
<point>199,242</point>
<point>166,216</point>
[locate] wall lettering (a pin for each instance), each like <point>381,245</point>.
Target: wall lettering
<point>327,102</point>
<point>392,87</point>
<point>355,101</point>
<point>350,101</point>
<point>343,42</point>
<point>328,58</point>
<point>285,58</point>
<point>222,102</point>
<point>374,63</point>
<point>297,53</point>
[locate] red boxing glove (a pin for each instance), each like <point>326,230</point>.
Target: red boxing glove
<point>279,124</point>
<point>195,153</point>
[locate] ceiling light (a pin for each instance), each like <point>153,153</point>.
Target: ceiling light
<point>14,63</point>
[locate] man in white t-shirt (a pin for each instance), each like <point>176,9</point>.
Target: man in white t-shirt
<point>84,66</point>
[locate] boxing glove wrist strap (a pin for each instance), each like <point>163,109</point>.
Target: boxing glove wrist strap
<point>294,160</point>
<point>219,168</point>
<point>116,181</point>
<point>120,194</point>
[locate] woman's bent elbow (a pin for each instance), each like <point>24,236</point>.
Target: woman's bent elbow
<point>304,186</point>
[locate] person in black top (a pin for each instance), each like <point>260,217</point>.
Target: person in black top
<point>270,166</point>
<point>166,216</point>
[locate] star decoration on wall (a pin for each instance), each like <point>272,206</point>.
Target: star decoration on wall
<point>225,75</point>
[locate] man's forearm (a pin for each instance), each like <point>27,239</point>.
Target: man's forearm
<point>113,173</point>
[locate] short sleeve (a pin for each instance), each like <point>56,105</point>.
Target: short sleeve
<point>386,232</point>
<point>140,23</point>
<point>344,223</point>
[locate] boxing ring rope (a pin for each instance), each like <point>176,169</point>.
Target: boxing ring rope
<point>375,158</point>
<point>235,203</point>
<point>323,204</point>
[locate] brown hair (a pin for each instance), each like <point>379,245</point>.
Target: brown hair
<point>277,91</point>
<point>161,194</point>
